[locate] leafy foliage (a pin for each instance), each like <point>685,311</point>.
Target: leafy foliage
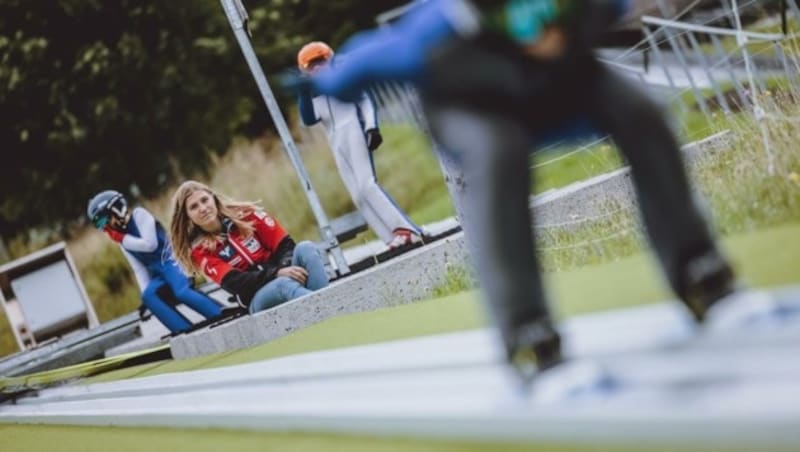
<point>132,94</point>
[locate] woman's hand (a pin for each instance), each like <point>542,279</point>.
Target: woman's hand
<point>298,274</point>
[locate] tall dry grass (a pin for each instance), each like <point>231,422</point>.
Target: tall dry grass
<point>260,170</point>
<point>740,191</point>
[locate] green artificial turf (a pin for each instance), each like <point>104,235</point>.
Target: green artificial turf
<point>102,439</point>
<point>764,258</point>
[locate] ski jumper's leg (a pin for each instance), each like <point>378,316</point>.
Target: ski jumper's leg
<point>357,171</point>
<point>678,231</point>
<point>497,221</point>
<point>179,283</point>
<point>165,313</point>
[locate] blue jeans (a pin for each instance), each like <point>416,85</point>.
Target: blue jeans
<point>283,289</point>
<point>168,273</point>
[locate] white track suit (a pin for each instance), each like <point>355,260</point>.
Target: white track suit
<point>346,125</point>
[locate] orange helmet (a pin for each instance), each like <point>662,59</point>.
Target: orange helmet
<point>313,51</point>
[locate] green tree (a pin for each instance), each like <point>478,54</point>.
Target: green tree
<point>128,93</point>
<point>108,94</point>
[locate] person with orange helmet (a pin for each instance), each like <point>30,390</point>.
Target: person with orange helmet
<point>313,55</point>
<point>353,133</point>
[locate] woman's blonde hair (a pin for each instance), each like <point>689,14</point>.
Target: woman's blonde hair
<point>184,234</point>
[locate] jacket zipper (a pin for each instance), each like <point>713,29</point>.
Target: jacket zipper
<point>240,250</point>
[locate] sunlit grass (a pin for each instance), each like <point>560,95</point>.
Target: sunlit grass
<point>741,194</point>
<point>762,258</point>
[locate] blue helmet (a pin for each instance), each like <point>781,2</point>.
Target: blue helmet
<point>105,204</point>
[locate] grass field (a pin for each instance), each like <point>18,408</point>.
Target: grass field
<point>767,257</point>
<point>757,212</point>
<point>763,258</point>
<point>742,196</point>
<point>99,439</point>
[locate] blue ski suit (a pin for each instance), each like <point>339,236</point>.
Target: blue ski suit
<point>147,248</point>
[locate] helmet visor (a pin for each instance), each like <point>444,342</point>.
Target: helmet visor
<point>100,221</point>
<point>316,62</point>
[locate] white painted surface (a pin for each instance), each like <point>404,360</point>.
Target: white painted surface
<point>154,333</point>
<point>373,248</point>
<point>50,299</point>
<point>637,376</point>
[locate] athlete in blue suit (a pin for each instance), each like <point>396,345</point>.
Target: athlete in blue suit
<point>145,244</point>
<point>498,78</point>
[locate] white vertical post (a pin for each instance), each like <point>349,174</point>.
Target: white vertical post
<point>237,16</point>
<point>451,169</point>
<point>758,111</point>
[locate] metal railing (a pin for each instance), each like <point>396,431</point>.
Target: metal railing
<point>722,68</point>
<point>725,68</point>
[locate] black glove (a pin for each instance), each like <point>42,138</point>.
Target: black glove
<point>245,284</point>
<point>294,81</point>
<point>374,139</point>
<point>143,312</point>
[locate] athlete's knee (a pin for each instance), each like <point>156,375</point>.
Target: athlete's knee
<point>306,246</point>
<point>151,290</point>
<point>182,292</point>
<point>150,297</point>
<point>306,250</point>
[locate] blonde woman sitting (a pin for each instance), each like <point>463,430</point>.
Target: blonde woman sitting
<point>238,246</point>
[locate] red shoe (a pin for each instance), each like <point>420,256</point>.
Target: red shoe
<point>403,237</point>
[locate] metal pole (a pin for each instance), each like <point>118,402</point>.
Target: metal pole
<point>783,17</point>
<point>758,111</point>
<point>237,16</point>
<point>677,50</point>
<point>792,4</point>
<point>669,12</point>
<point>707,68</point>
<point>744,101</point>
<point>728,13</point>
<point>450,166</point>
<point>659,58</point>
<point>787,68</point>
<point>388,105</point>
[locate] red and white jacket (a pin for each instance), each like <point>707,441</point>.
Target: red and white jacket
<point>238,253</point>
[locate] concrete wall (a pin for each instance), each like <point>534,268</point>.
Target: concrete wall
<point>593,198</point>
<point>405,279</point>
<point>411,277</point>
